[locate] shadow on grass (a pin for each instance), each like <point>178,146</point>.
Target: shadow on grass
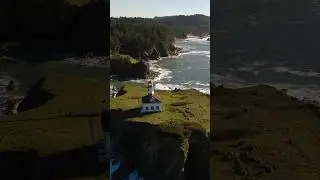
<point>36,97</point>
<point>121,91</point>
<point>124,115</point>
<point>80,162</point>
<point>94,114</point>
<point>55,117</point>
<point>31,119</point>
<point>231,134</point>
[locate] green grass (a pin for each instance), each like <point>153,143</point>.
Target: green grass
<point>123,57</point>
<point>260,133</point>
<point>46,128</point>
<point>188,107</point>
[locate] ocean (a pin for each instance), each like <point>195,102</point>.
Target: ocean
<point>301,78</point>
<point>189,70</point>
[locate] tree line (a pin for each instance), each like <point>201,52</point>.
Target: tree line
<point>134,36</point>
<point>149,38</point>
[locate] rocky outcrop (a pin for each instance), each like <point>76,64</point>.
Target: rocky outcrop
<point>9,97</point>
<point>175,51</point>
<point>159,152</point>
<point>154,54</point>
<point>153,153</point>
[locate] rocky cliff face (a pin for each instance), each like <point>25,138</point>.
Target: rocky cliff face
<point>155,54</point>
<point>153,153</point>
<point>159,152</point>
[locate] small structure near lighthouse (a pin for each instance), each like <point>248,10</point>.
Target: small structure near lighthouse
<point>149,102</point>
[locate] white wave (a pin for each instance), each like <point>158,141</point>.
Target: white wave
<point>304,74</point>
<point>162,73</point>
<point>172,57</point>
<point>206,53</point>
<point>203,90</point>
<point>196,84</point>
<point>309,73</point>
<point>170,87</point>
<point>303,92</point>
<point>196,38</point>
<point>202,84</point>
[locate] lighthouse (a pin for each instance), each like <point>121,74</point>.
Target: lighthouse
<point>149,102</point>
<point>150,88</point>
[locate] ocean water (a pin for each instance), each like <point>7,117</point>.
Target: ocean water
<point>189,70</point>
<point>301,79</point>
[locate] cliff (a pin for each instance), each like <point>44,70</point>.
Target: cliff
<point>172,144</point>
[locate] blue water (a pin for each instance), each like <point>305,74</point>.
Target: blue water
<point>189,70</point>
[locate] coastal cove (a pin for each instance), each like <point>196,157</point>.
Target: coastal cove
<point>190,69</point>
<point>174,51</point>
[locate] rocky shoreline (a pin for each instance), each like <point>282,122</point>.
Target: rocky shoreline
<point>9,98</point>
<point>154,54</point>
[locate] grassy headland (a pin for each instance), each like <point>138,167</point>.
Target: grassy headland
<point>54,126</point>
<point>64,123</point>
<point>261,133</point>
<point>124,66</point>
<point>160,144</point>
<point>184,106</point>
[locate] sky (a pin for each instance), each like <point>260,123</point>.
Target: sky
<point>152,8</point>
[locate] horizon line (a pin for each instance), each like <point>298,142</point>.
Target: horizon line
<point>158,16</point>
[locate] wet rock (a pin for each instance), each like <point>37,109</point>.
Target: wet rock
<point>154,55</point>
<point>177,90</point>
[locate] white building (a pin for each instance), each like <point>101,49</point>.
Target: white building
<point>149,102</point>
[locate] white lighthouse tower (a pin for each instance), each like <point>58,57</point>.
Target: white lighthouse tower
<point>150,88</point>
<point>149,102</point>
